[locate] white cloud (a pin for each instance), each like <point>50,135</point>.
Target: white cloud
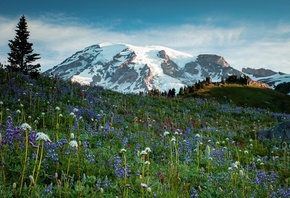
<point>241,45</point>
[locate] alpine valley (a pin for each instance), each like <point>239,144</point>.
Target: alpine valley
<point>132,69</point>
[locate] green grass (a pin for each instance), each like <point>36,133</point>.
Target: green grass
<point>247,96</point>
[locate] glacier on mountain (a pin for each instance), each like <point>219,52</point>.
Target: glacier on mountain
<point>133,69</point>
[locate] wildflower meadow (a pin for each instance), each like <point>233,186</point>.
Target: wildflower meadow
<point>62,139</point>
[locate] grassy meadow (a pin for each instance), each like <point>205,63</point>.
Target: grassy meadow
<point>61,139</point>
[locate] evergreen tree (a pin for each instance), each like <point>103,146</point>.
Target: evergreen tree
<point>21,55</point>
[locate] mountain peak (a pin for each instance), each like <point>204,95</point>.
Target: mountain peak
<point>129,68</point>
<point>213,58</point>
<point>258,72</point>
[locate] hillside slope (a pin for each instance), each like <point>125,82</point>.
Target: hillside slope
<point>247,96</point>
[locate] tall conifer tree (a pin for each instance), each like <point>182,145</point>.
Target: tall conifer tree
<point>21,55</point>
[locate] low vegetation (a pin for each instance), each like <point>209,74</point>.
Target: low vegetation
<point>60,139</point>
<point>247,96</point>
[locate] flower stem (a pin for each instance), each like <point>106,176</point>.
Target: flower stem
<point>40,161</point>
<point>36,158</point>
<point>3,171</point>
<point>25,161</point>
<point>68,164</point>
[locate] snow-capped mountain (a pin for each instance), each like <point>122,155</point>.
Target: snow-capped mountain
<point>128,68</point>
<point>270,77</point>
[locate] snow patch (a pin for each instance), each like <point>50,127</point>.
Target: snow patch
<point>81,79</point>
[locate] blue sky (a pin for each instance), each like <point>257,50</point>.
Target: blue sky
<point>246,33</point>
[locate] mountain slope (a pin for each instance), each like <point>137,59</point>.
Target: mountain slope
<point>246,96</point>
<point>128,68</point>
<point>267,76</point>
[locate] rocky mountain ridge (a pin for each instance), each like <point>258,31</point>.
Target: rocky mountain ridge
<point>259,72</point>
<point>133,69</point>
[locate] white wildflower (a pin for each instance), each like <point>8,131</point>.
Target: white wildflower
<point>73,144</point>
<point>149,190</point>
<point>235,165</point>
<point>148,150</point>
<point>173,140</point>
<point>123,150</point>
<point>26,126</point>
<point>147,163</point>
<point>166,133</point>
<point>207,150</point>
<point>143,153</point>
<point>197,136</point>
<point>1,103</point>
<point>241,172</point>
<point>75,110</point>
<point>72,136</point>
<point>31,180</point>
<point>57,108</point>
<point>42,136</point>
<point>18,111</point>
<point>246,151</point>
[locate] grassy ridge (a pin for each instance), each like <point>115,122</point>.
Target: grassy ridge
<point>248,96</point>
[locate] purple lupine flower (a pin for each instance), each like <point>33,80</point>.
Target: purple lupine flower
<point>90,158</point>
<point>263,177</point>
<point>106,182</point>
<point>125,141</point>
<point>85,144</point>
<point>193,193</point>
<point>119,169</point>
<point>48,190</point>
<point>98,184</point>
<point>12,134</point>
<point>99,143</point>
<point>283,193</point>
